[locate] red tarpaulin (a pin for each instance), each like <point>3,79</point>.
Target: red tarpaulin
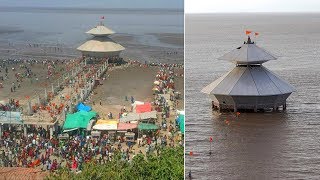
<point>146,107</point>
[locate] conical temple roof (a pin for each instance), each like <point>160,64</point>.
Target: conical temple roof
<point>249,81</point>
<point>100,30</point>
<point>101,44</point>
<point>248,53</point>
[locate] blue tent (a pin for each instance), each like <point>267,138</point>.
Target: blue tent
<point>82,107</point>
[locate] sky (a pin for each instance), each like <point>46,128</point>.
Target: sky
<point>233,6</point>
<point>174,4</point>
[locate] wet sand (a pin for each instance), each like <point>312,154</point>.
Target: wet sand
<point>131,81</point>
<point>27,88</point>
<point>170,38</point>
<point>169,50</point>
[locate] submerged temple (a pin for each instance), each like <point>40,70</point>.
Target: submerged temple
<point>249,86</point>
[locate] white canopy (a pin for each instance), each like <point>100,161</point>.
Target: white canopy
<point>101,45</point>
<point>100,30</point>
<point>139,116</point>
<point>105,127</point>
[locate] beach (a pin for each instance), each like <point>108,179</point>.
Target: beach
<point>129,81</point>
<point>44,79</point>
<point>168,50</point>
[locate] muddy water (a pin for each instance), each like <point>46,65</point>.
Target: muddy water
<point>263,145</point>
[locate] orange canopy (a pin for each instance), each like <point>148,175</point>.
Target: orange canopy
<point>141,108</point>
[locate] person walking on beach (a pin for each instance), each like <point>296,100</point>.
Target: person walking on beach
<point>132,99</point>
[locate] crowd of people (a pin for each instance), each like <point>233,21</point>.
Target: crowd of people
<point>37,149</point>
<point>21,70</point>
<point>164,87</point>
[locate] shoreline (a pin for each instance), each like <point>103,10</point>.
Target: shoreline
<point>135,50</point>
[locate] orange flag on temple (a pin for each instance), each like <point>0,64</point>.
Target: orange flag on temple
<point>27,97</point>
<point>256,34</point>
<point>191,153</point>
<point>248,32</point>
<point>211,139</point>
<point>238,113</point>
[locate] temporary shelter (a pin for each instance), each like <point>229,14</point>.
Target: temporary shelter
<point>105,125</point>
<point>126,126</point>
<point>82,107</point>
<point>10,117</point>
<point>181,120</point>
<point>147,126</point>
<point>139,116</point>
<point>78,120</point>
<point>141,108</point>
<point>113,125</point>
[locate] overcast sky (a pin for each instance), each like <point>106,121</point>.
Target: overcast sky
<point>95,3</point>
<point>214,6</point>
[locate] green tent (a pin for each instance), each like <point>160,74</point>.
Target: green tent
<point>181,123</point>
<point>78,120</point>
<point>147,126</point>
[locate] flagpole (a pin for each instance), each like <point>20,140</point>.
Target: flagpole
<point>210,152</point>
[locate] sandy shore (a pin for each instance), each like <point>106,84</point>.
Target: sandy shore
<point>28,87</point>
<point>131,81</point>
<point>169,49</point>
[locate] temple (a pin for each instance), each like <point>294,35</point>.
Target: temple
<point>249,86</point>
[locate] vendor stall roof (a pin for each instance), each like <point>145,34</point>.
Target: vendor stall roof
<point>142,108</point>
<point>139,116</point>
<point>105,125</point>
<point>79,119</point>
<point>10,117</point>
<point>147,126</point>
<point>83,107</point>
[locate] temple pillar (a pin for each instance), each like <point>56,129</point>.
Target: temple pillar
<point>284,106</point>
<point>0,129</point>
